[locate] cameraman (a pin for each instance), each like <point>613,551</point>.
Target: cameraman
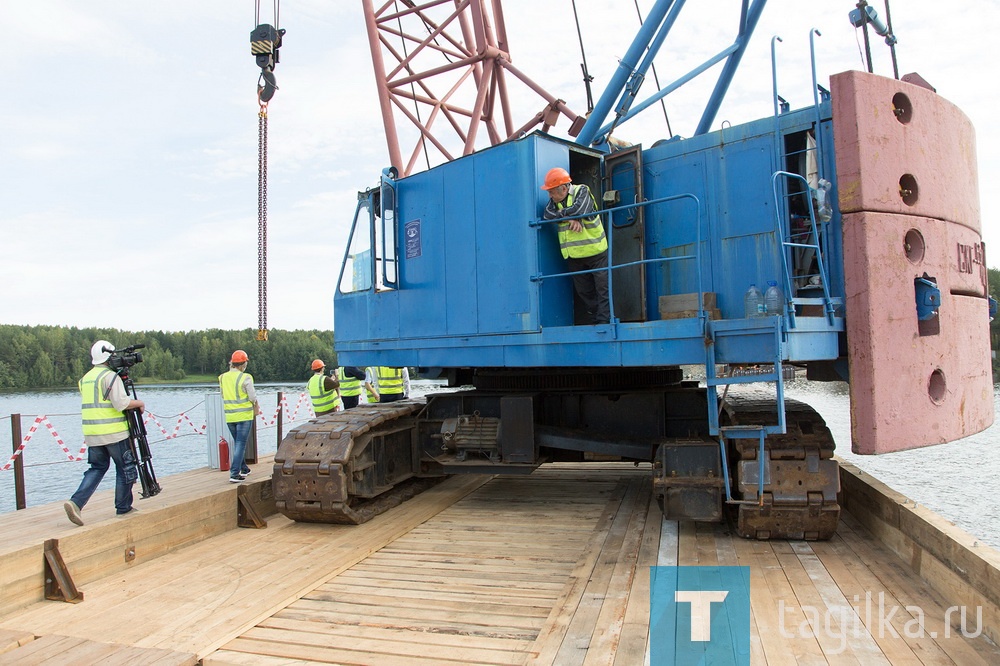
<point>105,432</point>
<point>239,400</point>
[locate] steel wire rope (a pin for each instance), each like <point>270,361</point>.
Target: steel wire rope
<point>587,78</point>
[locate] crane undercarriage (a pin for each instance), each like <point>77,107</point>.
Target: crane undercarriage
<point>350,466</point>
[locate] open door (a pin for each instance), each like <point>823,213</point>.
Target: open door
<point>623,173</point>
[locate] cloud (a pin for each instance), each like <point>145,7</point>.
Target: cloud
<point>129,159</point>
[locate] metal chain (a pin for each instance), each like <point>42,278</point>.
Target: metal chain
<point>262,224</point>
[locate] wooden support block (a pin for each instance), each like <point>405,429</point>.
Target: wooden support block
<point>246,514</point>
<point>713,313</point>
<point>682,302</point>
<point>59,584</point>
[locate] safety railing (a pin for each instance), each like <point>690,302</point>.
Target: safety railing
<point>696,256</point>
<point>809,239</point>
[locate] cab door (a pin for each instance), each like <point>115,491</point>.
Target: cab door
<point>623,173</point>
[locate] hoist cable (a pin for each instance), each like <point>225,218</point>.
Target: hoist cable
<point>262,181</point>
<point>587,78</point>
<point>262,223</point>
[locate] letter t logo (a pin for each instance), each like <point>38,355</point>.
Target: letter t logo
<point>701,611</point>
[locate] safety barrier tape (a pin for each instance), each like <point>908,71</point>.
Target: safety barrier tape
<point>303,397</point>
<point>149,417</point>
<point>181,418</point>
<point>40,420</point>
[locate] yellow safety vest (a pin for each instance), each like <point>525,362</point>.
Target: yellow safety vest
<point>323,400</point>
<point>349,386</point>
<point>390,381</point>
<point>237,409</point>
<point>98,414</point>
<point>587,242</point>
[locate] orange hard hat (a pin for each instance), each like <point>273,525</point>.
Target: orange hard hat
<point>555,177</point>
<point>239,356</point>
<point>318,365</point>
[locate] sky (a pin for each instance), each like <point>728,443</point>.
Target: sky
<point>128,159</point>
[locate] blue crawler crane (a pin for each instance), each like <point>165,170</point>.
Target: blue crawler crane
<point>455,272</point>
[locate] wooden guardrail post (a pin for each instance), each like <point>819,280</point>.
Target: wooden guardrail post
<point>15,439</point>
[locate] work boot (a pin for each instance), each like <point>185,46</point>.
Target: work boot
<point>73,512</point>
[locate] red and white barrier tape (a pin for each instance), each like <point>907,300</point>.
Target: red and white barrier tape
<point>42,419</point>
<point>283,404</point>
<point>181,418</point>
<point>149,417</point>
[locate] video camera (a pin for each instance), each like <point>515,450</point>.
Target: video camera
<point>123,359</point>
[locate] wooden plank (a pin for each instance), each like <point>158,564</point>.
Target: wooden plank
<point>764,607</point>
<point>575,645</point>
<point>829,621</point>
<point>552,634</point>
<point>915,598</point>
<point>11,638</point>
<point>860,586</point>
<point>634,642</point>
<point>392,647</point>
<point>607,631</point>
<point>725,551</point>
<point>397,634</point>
<point>269,569</point>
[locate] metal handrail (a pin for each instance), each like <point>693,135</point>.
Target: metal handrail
<point>786,245</point>
<point>538,223</point>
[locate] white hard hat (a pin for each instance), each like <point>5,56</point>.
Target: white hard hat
<point>100,352</point>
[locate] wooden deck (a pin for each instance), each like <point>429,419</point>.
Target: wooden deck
<point>551,568</point>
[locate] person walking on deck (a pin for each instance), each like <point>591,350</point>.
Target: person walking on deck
<point>105,432</point>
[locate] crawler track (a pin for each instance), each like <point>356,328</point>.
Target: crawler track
<point>801,479</point>
<point>350,466</point>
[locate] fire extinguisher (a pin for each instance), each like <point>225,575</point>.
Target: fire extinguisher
<point>223,454</point>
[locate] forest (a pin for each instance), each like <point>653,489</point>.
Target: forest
<point>34,357</point>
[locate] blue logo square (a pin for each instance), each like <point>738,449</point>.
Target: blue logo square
<point>699,615</point>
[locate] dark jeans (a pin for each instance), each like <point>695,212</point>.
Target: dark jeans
<point>350,401</point>
<point>390,397</point>
<point>592,288</point>
<point>241,433</point>
<point>100,458</point>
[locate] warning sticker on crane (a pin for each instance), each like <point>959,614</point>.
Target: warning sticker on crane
<point>411,236</point>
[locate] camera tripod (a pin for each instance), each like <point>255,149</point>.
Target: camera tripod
<point>137,443</point>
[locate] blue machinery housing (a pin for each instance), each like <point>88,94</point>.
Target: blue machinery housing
<point>453,267</point>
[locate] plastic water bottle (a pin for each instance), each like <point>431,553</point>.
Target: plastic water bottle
<point>772,299</point>
<point>753,302</point>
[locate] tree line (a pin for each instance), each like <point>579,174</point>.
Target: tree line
<point>57,356</point>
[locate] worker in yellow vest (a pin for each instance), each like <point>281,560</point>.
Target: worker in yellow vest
<point>350,378</point>
<point>323,390</point>
<point>239,401</point>
<point>105,432</point>
<point>391,384</point>
<point>582,242</point>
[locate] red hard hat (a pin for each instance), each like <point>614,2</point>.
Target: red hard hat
<point>318,365</point>
<point>239,356</point>
<point>555,177</point>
